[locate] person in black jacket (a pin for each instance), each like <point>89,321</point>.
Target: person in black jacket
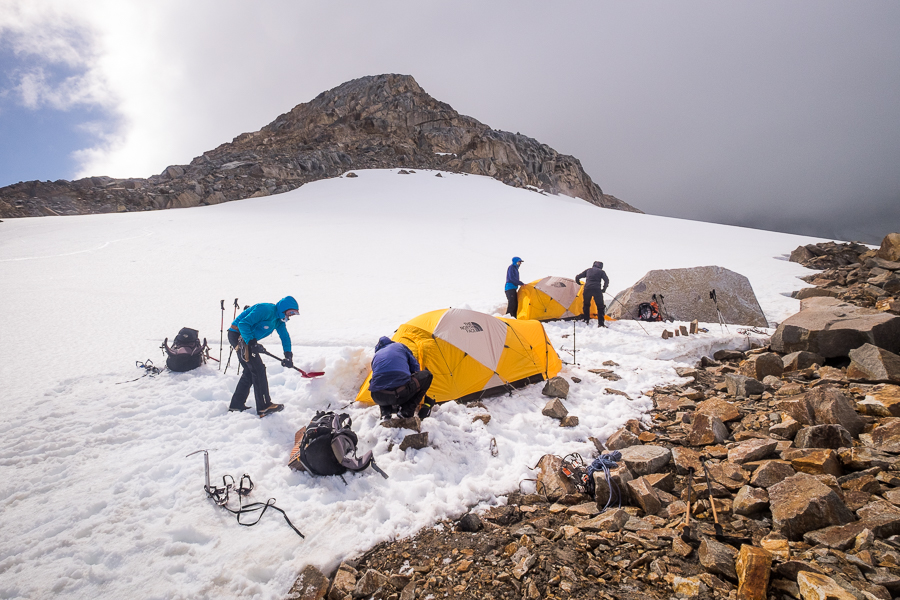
<point>594,287</point>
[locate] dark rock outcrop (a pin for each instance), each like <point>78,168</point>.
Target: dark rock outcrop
<point>375,122</point>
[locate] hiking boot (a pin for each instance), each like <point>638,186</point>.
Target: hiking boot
<point>272,408</point>
<point>238,409</point>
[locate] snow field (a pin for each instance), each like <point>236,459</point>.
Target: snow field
<point>99,497</point>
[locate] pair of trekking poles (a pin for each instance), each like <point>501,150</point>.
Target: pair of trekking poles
<point>304,374</point>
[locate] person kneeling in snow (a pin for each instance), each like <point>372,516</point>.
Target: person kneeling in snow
<point>594,288</point>
<point>397,384</point>
<point>253,324</point>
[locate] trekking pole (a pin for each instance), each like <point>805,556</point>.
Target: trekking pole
<point>231,351</point>
<point>662,302</point>
<point>221,332</point>
<point>712,295</point>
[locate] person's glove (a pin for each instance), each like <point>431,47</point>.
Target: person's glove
<point>427,405</point>
<point>288,361</point>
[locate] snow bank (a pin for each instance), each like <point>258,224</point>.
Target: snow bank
<point>99,497</point>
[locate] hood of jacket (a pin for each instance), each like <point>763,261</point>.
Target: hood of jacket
<point>516,259</point>
<point>597,264</point>
<point>285,304</point>
<point>382,342</point>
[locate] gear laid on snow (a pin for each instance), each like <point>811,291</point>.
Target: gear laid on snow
<point>327,446</point>
<point>220,495</point>
<point>187,352</point>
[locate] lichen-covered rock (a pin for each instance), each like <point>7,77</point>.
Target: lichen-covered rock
<point>872,363</point>
<point>823,436</point>
<point>645,459</point>
<point>802,503</point>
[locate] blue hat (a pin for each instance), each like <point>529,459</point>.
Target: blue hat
<point>516,259</point>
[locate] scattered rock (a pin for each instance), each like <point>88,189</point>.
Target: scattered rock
<point>750,500</point>
<point>759,366</point>
<point>623,438</point>
<point>797,361</point>
<point>814,586</point>
<point>555,409</point>
<point>470,522</point>
<point>550,480</point>
<point>770,473</point>
<point>718,558</point>
<point>556,387</point>
<point>823,436</point>
<point>742,386</point>
<point>706,430</point>
<point>871,363</point>
<point>802,503</point>
<point>753,567</point>
<point>752,450</point>
<point>569,421</point>
<point>369,583</point>
<point>310,585</point>
<point>645,459</point>
<point>416,441</point>
<point>414,423</point>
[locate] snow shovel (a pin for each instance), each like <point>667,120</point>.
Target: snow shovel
<point>720,534</point>
<point>304,374</point>
<point>686,536</point>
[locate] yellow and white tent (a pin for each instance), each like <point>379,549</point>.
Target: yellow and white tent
<point>473,355</point>
<point>552,298</point>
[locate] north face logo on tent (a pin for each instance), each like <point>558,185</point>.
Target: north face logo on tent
<point>471,327</point>
<point>557,284</point>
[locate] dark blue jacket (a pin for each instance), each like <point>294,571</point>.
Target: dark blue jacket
<point>392,365</point>
<point>260,320</point>
<point>512,278</point>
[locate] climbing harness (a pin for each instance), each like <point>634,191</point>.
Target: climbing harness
<point>220,495</point>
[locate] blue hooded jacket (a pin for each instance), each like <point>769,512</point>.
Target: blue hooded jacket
<point>260,320</point>
<point>512,275</point>
<point>392,365</point>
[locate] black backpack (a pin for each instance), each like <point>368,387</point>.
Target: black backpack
<point>647,311</point>
<point>187,352</point>
<point>328,447</point>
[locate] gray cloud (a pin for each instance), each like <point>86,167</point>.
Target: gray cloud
<point>758,113</point>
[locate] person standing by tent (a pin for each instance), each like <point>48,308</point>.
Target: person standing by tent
<point>594,287</point>
<point>512,287</point>
<point>252,325</point>
<point>398,384</point>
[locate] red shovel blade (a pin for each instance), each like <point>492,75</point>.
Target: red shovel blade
<point>311,374</point>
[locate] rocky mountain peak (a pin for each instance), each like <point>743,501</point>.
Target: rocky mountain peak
<point>379,121</point>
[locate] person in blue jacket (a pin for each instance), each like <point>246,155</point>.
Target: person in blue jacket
<point>397,383</point>
<point>252,325</point>
<point>512,287</point>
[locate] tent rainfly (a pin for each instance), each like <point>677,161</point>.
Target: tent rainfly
<point>552,298</point>
<point>473,355</point>
<point>686,296</point>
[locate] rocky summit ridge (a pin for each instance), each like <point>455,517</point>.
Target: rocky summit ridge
<point>374,122</point>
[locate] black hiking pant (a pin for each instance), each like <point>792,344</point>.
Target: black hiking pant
<point>595,294</point>
<point>254,376</point>
<point>512,303</point>
<point>404,399</point>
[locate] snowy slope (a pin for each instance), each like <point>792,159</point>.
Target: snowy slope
<point>99,499</point>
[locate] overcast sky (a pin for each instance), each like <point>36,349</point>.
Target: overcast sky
<point>780,115</point>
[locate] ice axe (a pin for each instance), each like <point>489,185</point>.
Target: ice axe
<point>304,374</point>
<point>720,534</point>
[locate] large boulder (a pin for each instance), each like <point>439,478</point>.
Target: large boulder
<point>872,363</point>
<point>831,328</point>
<point>802,503</point>
<point>890,248</point>
<point>686,296</point>
<point>644,460</point>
